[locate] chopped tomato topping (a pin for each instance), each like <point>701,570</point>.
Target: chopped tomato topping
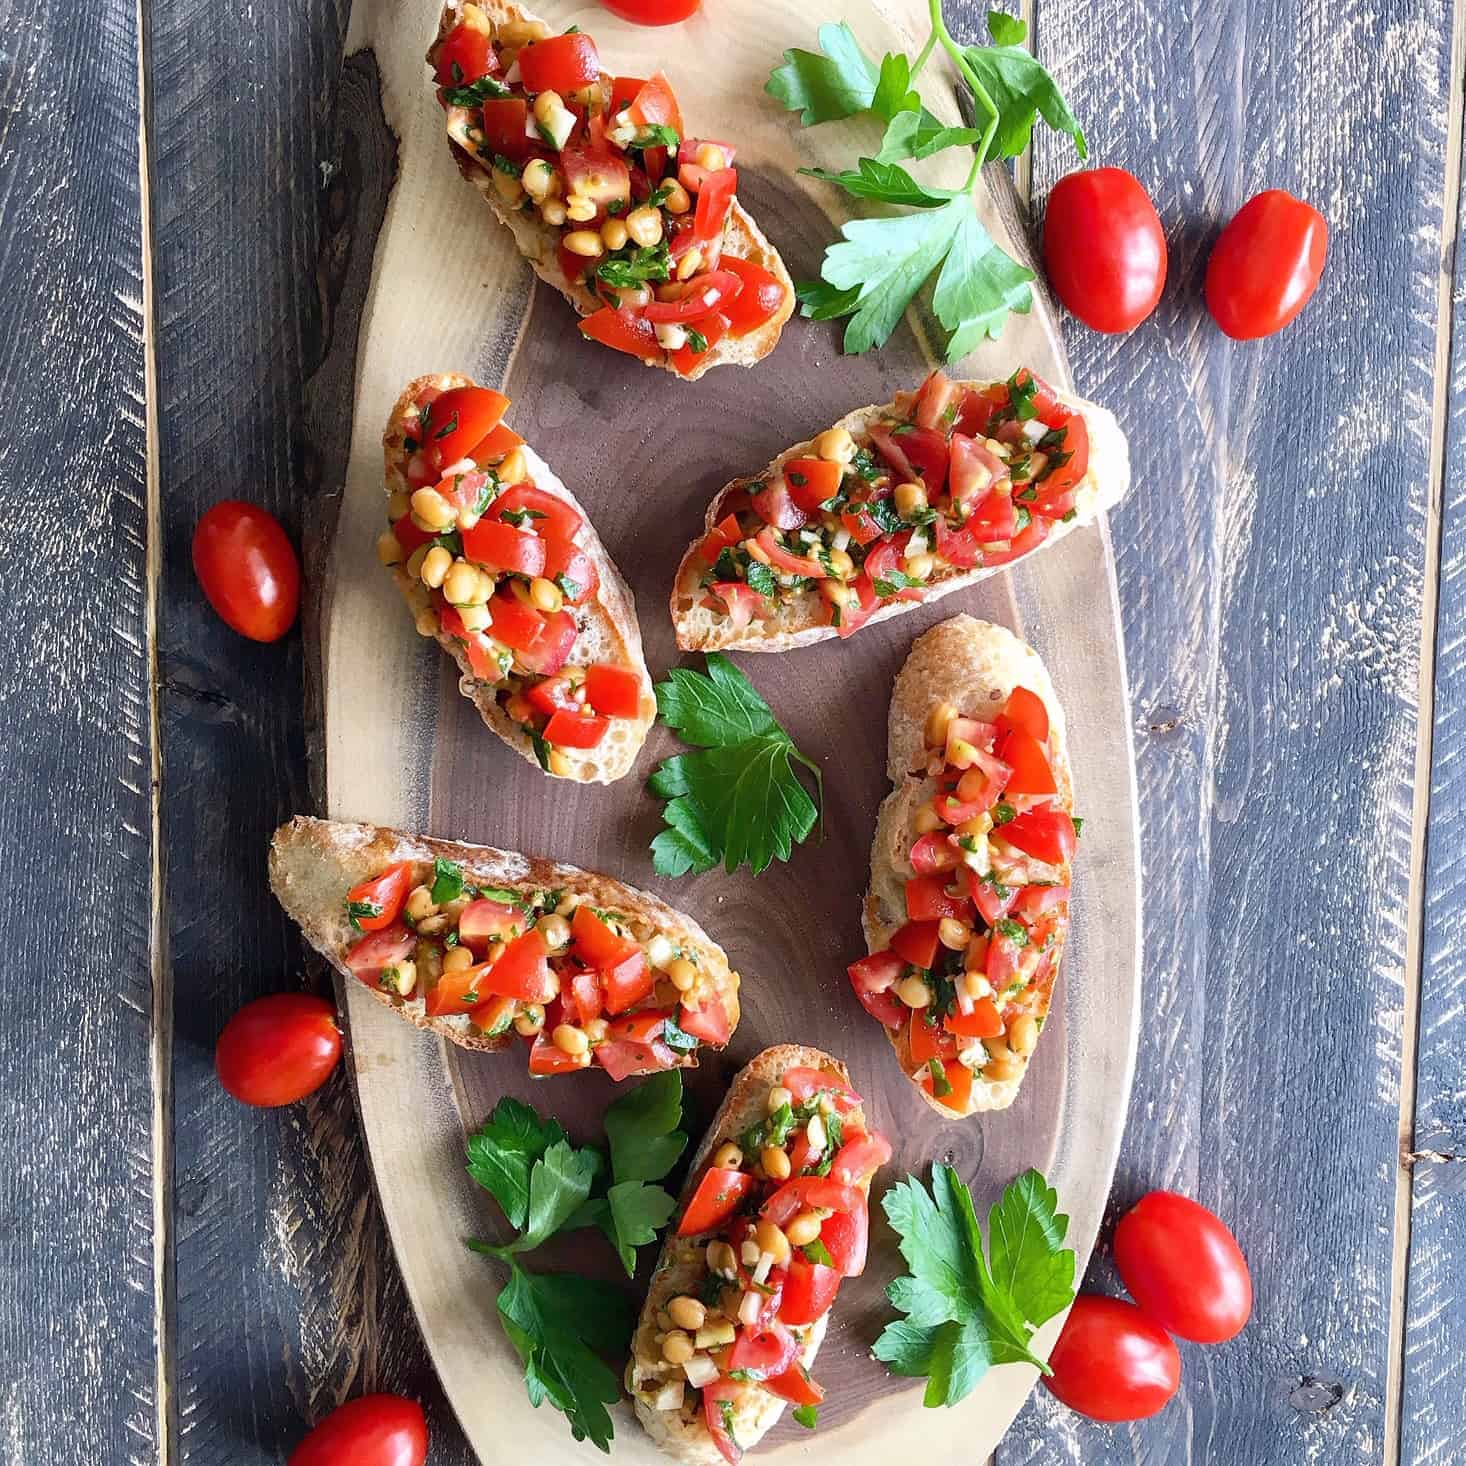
<point>928,1039</point>
<point>712,329</point>
<point>612,690</point>
<point>708,1022</point>
<point>761,299</point>
<point>794,1384</point>
<point>957,1086</point>
<point>576,729</point>
<point>458,421</point>
<point>859,1157</point>
<point>522,969</point>
<point>803,1083</point>
<point>1025,710</point>
<point>716,1198</point>
<point>380,949</point>
<point>466,54</point>
<point>571,568</point>
<point>1046,834</point>
<point>1026,756</point>
<point>809,1291</point>
<point>377,903</point>
<point>543,512</point>
<point>916,943</point>
<point>560,64</point>
<point>782,559</point>
<point>491,542</point>
<point>623,330</point>
<point>458,991</point>
<point>714,199</point>
<point>806,1192</point>
<point>872,978</point>
<point>811,482</point>
<point>742,601</point>
<point>485,921</point>
<point>655,103</point>
<point>983,1022</point>
<point>504,123</point>
<point>547,1057</point>
<point>724,536</point>
<point>706,295</point>
<point>927,899</point>
<point>934,853</point>
<point>763,1350</point>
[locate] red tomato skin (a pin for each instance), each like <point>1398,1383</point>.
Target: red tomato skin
<point>652,12</point>
<point>1111,1362</point>
<point>559,63</point>
<point>1265,265</point>
<point>374,1430</point>
<point>1104,248</point>
<point>1182,1265</point>
<point>248,569</point>
<point>278,1049</point>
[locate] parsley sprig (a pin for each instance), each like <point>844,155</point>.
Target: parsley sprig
<point>966,1312</point>
<point>876,269</point>
<point>562,1325</point>
<point>738,799</point>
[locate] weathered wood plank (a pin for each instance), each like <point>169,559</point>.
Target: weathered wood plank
<point>1271,567</point>
<point>1432,1429</point>
<point>79,1273</point>
<point>287,1300</point>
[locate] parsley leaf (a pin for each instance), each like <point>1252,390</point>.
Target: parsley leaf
<point>887,182</point>
<point>738,799</point>
<point>502,1152</point>
<point>821,302</point>
<point>1021,90</point>
<point>645,262</point>
<point>978,287</point>
<point>447,880</point>
<point>807,1415</point>
<point>475,93</point>
<point>559,1183</point>
<point>919,135</point>
<point>641,1127</point>
<point>841,82</point>
<point>962,1316</point>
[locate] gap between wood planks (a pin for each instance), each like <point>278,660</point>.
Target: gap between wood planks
<point>161,1038</point>
<point>1414,974</point>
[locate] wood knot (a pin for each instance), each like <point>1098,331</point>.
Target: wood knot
<point>1316,1395</point>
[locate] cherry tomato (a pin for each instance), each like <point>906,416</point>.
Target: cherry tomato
<point>279,1049</point>
<point>248,569</point>
<point>1112,1362</point>
<point>375,1430</point>
<point>1104,248</point>
<point>1182,1265</point>
<point>652,12</point>
<point>1265,265</point>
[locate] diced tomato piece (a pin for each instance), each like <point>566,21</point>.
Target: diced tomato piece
<point>975,416</point>
<point>522,970</point>
<point>547,1057</point>
<point>553,695</point>
<point>1076,443</point>
<point>494,1016</point>
<point>1033,902</point>
<point>595,943</point>
<point>927,899</point>
<point>1004,955</point>
<point>862,525</point>
<point>958,1086</point>
<point>806,1192</point>
<point>709,1022</point>
<point>501,441</point>
<point>1029,760</point>
<point>485,921</point>
<point>995,518</point>
<point>642,1027</point>
<point>601,177</point>
<point>802,1155</point>
<point>934,853</point>
<point>712,329</point>
<point>763,1350</point>
<point>959,547</point>
<point>983,1022</point>
<point>714,1396</point>
<point>723,536</point>
<point>380,949</point>
<point>776,505</point>
<point>928,1039</point>
<point>872,978</point>
<point>623,92</point>
<point>547,655</point>
<point>859,1157</point>
<point>466,54</point>
<point>504,122</point>
<point>518,626</point>
<point>458,421</point>
<point>782,559</point>
<point>706,295</point>
<point>573,267</point>
<point>992,902</point>
<point>464,490</point>
<point>655,103</point>
<point>716,1198</point>
<point>1023,543</point>
<point>571,568</point>
<point>502,547</point>
<point>794,1384</point>
<point>623,330</point>
<point>1046,834</point>
<point>578,729</point>
<point>612,690</point>
<point>882,565</point>
<point>916,943</point>
<point>762,298</point>
<point>626,1060</point>
<point>584,988</point>
<point>409,536</point>
<point>545,513</point>
<point>1025,710</point>
<point>933,400</point>
<point>377,903</point>
<point>990,775</point>
<point>714,199</point>
<point>974,469</point>
<point>917,454</point>
<point>852,618</point>
<point>811,481</point>
<point>483,656</point>
<point>459,991</point>
<point>560,64</point>
<point>743,603</point>
<point>809,1291</point>
<point>846,1236</point>
<point>803,1083</point>
<point>628,981</point>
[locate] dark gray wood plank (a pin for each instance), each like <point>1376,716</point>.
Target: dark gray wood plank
<point>287,1299</point>
<point>1271,566</point>
<point>78,1267</point>
<point>1432,1428</point>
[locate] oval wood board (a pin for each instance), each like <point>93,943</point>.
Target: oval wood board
<point>644,452</point>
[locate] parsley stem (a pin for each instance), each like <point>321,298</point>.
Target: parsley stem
<point>921,60</point>
<point>979,92</point>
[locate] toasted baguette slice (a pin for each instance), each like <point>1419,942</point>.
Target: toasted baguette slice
<point>539,242</point>
<point>682,1267</point>
<point>607,627</point>
<point>313,863</point>
<point>804,619</point>
<point>971,665</point>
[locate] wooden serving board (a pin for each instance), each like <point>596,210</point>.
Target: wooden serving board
<point>644,452</point>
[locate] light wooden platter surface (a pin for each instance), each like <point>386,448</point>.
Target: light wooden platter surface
<point>644,452</point>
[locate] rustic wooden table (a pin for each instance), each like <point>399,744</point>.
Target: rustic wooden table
<point>188,1280</point>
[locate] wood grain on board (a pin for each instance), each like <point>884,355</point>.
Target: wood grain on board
<point>79,1272</point>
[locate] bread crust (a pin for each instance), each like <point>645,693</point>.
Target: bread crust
<point>314,862</point>
<point>802,622</point>
<point>608,619</point>
<point>971,664</point>
<point>538,242</point>
<point>681,1265</point>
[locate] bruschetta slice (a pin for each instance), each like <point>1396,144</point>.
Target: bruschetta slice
<point>968,905</point>
<point>773,1217</point>
<point>635,223</point>
<point>500,564</point>
<point>893,506</point>
<point>486,947</point>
